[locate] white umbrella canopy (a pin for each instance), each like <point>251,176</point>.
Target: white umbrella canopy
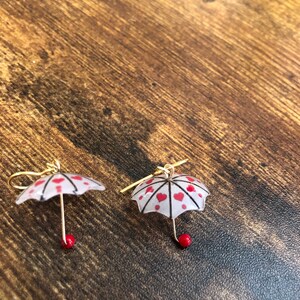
<point>53,182</point>
<point>50,186</point>
<point>170,194</point>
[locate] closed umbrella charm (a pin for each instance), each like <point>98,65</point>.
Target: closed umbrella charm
<point>53,182</point>
<point>170,194</point>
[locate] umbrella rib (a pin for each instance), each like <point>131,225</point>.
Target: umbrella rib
<point>148,185</point>
<point>45,186</point>
<point>181,175</point>
<point>170,199</point>
<point>152,197</point>
<point>70,181</point>
<point>187,194</point>
<point>193,184</point>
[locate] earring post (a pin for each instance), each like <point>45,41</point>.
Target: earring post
<point>51,169</point>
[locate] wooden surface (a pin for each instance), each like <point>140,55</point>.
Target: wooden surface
<point>115,88</point>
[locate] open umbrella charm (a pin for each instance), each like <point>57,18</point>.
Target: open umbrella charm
<point>170,194</point>
<point>53,182</point>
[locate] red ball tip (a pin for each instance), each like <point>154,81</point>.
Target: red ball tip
<point>185,240</point>
<point>70,242</point>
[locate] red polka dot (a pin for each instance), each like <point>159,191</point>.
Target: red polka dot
<point>200,195</point>
<point>141,197</point>
<point>183,206</point>
<point>31,191</point>
<point>149,181</point>
<point>157,207</point>
<point>86,183</point>
<point>190,188</point>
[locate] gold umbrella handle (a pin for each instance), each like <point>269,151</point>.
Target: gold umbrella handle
<point>63,225</point>
<point>157,172</point>
<point>174,230</point>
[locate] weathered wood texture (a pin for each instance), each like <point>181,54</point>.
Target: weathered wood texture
<point>114,88</point>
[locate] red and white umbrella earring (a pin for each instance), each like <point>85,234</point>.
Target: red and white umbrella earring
<point>53,182</point>
<point>170,194</point>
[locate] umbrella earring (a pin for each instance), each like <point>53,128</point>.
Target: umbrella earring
<point>52,182</point>
<point>170,194</point>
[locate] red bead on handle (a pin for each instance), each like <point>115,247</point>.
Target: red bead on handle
<point>185,240</point>
<point>70,241</point>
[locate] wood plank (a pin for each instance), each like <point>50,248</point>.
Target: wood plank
<point>115,88</point>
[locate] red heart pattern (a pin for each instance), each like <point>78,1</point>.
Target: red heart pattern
<point>58,180</point>
<point>149,181</point>
<point>149,189</point>
<point>39,182</point>
<point>59,188</point>
<point>161,197</point>
<point>76,177</point>
<point>179,196</point>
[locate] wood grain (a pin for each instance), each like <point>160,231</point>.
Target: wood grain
<point>115,88</point>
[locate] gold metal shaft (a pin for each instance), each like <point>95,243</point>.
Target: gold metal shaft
<point>174,230</point>
<point>63,226</point>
